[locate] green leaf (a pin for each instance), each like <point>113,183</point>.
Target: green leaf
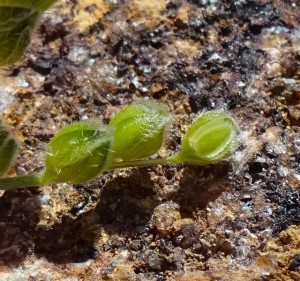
<point>211,138</point>
<point>18,20</point>
<point>40,5</point>
<point>8,148</point>
<point>78,153</point>
<point>16,26</point>
<point>139,130</point>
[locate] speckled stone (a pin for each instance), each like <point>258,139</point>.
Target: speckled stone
<point>237,220</point>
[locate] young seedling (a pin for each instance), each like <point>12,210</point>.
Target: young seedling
<point>83,151</point>
<point>18,20</point>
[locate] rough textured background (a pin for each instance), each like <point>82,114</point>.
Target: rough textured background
<point>238,220</point>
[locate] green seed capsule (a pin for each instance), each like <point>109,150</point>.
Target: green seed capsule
<point>8,149</point>
<point>211,138</point>
<point>139,130</point>
<point>78,153</point>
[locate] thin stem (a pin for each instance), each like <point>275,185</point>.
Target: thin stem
<point>174,159</point>
<point>138,163</point>
<point>20,182</point>
<point>36,179</point>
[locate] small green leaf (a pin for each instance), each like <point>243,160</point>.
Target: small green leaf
<point>211,138</point>
<point>16,27</point>
<point>78,153</point>
<point>8,149</point>
<point>139,130</point>
<point>18,20</point>
<point>40,5</point>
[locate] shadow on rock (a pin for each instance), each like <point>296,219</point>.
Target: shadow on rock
<point>19,215</point>
<point>123,209</point>
<point>201,185</point>
<point>119,218</point>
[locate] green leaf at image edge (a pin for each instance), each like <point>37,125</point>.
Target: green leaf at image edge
<point>18,19</point>
<point>8,148</point>
<point>40,5</point>
<point>16,27</point>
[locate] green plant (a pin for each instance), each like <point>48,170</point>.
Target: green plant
<point>8,148</point>
<point>18,20</point>
<point>139,130</point>
<point>83,150</point>
<point>78,153</point>
<point>209,139</point>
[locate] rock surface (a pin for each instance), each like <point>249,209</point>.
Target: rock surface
<point>237,220</point>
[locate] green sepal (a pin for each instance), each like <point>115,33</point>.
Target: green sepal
<point>78,153</point>
<point>211,138</point>
<point>40,5</point>
<point>8,148</point>
<point>140,129</point>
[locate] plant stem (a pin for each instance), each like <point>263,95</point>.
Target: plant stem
<point>175,159</point>
<point>36,179</point>
<point>20,182</point>
<point>145,162</point>
<point>138,163</point>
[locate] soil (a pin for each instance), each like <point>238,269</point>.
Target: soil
<point>236,220</point>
